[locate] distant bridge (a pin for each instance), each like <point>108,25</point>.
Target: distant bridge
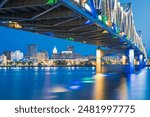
<point>104,23</point>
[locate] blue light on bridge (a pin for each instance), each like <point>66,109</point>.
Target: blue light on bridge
<point>141,61</point>
<point>131,60</point>
<point>141,57</point>
<point>88,22</point>
<point>115,28</point>
<point>99,17</point>
<point>131,53</point>
<point>88,8</point>
<point>91,3</point>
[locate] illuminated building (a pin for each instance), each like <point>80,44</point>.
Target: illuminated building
<point>42,56</point>
<point>67,54</point>
<point>54,50</point>
<point>46,54</point>
<point>9,55</point>
<point>17,55</point>
<point>15,25</point>
<point>90,57</point>
<point>3,59</point>
<point>114,59</point>
<point>70,48</point>
<point>55,55</point>
<point>32,51</point>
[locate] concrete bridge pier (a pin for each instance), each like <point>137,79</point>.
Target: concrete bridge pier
<point>99,54</point>
<point>145,62</point>
<point>131,61</point>
<point>141,62</point>
<point>124,62</point>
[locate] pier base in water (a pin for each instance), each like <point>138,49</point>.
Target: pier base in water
<point>99,54</point>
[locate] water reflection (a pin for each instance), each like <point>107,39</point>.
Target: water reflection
<point>122,89</point>
<point>58,89</point>
<point>110,86</point>
<point>137,85</point>
<point>99,87</point>
<point>72,83</point>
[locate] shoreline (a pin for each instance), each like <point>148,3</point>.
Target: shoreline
<point>47,66</point>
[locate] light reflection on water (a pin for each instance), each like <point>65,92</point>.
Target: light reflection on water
<point>72,83</point>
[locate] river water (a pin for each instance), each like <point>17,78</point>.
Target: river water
<point>72,83</point>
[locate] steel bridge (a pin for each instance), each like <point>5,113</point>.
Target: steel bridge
<point>106,23</point>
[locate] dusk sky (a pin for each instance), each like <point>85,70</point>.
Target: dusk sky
<point>12,39</point>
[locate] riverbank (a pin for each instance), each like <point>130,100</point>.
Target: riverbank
<point>52,66</point>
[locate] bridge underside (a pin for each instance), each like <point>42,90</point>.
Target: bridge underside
<point>56,20</point>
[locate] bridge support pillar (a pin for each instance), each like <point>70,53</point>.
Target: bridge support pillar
<point>124,60</point>
<point>145,62</point>
<point>131,61</point>
<point>141,61</point>
<point>99,54</point>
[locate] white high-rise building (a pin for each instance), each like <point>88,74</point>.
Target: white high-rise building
<point>54,50</point>
<point>55,54</point>
<point>18,55</point>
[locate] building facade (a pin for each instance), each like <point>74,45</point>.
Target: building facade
<point>32,51</point>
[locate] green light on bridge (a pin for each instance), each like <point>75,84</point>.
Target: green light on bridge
<point>127,37</point>
<point>52,2</point>
<point>105,19</point>
<point>114,37</point>
<point>70,39</point>
<point>117,30</point>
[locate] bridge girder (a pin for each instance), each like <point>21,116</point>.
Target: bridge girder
<point>59,19</point>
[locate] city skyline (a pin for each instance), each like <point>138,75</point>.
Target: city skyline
<point>33,53</point>
<point>18,40</point>
<point>35,58</point>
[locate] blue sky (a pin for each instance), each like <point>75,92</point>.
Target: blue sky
<point>14,39</point>
<point>141,12</point>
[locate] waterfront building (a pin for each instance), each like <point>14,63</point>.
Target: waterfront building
<point>113,59</point>
<point>54,50</point>
<point>67,54</point>
<point>32,51</point>
<point>55,54</point>
<point>46,54</point>
<point>3,59</point>
<point>70,48</point>
<point>42,56</point>
<point>9,55</point>
<point>90,57</point>
<point>17,55</point>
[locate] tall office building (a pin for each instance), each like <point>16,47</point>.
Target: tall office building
<point>9,55</point>
<point>32,50</point>
<point>70,48</point>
